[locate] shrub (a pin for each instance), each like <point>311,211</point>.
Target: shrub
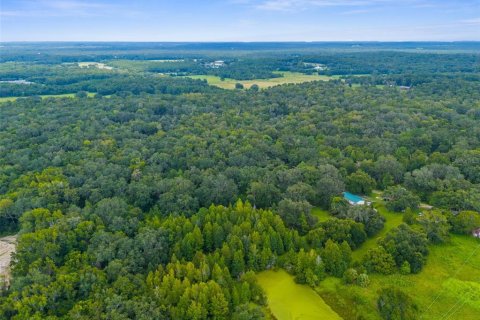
<point>394,304</point>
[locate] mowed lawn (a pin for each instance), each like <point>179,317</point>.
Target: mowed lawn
<point>288,77</point>
<point>288,300</point>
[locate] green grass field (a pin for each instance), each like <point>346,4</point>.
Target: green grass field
<point>321,214</point>
<point>448,287</point>
<point>288,77</point>
<point>288,300</point>
<point>392,220</point>
<point>6,99</point>
<point>65,95</point>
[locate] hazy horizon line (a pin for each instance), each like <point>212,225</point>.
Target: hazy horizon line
<point>242,41</point>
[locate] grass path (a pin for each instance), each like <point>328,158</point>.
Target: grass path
<point>288,300</point>
<point>392,220</point>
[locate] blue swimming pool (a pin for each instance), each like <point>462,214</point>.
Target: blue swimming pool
<point>352,197</point>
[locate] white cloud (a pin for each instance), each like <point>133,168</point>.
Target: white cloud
<point>474,21</point>
<point>4,13</point>
<point>357,11</point>
<point>285,5</point>
<point>65,8</point>
<point>73,5</point>
<point>296,5</point>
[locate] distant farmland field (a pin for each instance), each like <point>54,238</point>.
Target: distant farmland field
<point>288,77</point>
<point>64,95</point>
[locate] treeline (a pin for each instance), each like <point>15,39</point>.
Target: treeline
<point>113,196</point>
<point>397,63</point>
<point>386,67</point>
<point>378,64</point>
<point>409,79</point>
<point>113,260</point>
<point>239,69</point>
<point>108,85</point>
<point>291,147</point>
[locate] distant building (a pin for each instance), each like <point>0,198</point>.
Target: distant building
<point>215,64</point>
<point>402,88</point>
<point>315,66</point>
<point>353,199</point>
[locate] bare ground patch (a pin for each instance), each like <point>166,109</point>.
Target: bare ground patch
<point>7,248</point>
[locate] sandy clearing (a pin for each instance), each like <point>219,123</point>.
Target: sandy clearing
<point>7,247</point>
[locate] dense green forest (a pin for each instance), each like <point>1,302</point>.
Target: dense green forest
<point>161,197</point>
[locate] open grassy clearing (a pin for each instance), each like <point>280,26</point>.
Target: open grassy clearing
<point>64,95</point>
<point>137,66</point>
<point>288,77</point>
<point>289,300</point>
<point>321,214</point>
<point>6,99</point>
<point>447,287</point>
<point>392,220</point>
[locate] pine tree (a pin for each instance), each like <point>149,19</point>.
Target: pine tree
<point>238,264</point>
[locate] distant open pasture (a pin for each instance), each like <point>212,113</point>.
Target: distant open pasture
<point>288,300</point>
<point>44,96</point>
<point>288,77</point>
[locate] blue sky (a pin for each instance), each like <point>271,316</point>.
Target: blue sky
<point>239,20</point>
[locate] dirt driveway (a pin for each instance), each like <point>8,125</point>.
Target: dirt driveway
<point>7,247</point>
